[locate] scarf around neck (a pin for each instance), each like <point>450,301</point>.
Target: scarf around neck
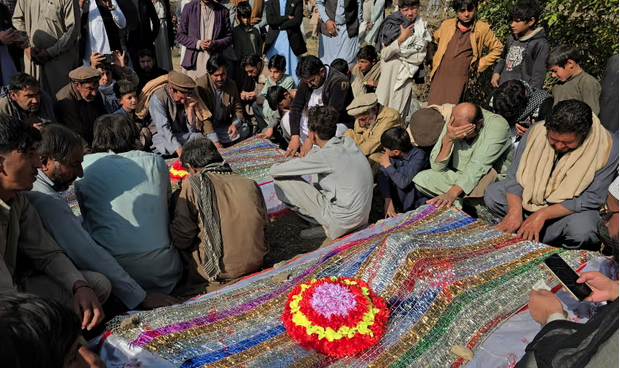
<point>209,214</point>
<point>545,182</point>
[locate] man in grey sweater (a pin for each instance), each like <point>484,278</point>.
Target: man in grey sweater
<point>341,195</point>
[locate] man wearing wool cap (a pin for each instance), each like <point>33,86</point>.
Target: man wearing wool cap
<point>173,107</point>
<point>79,103</point>
<point>371,120</point>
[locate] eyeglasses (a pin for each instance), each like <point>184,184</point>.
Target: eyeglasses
<point>607,214</point>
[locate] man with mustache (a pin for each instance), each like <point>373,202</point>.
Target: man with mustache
<point>79,103</point>
<point>558,179</point>
<point>23,99</point>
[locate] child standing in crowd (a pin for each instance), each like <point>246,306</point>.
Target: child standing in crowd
<point>573,82</point>
<point>460,42</point>
<point>526,50</point>
<point>399,164</point>
<point>365,74</point>
<point>246,38</point>
<point>277,77</point>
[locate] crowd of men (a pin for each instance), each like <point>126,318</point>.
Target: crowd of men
<point>89,99</point>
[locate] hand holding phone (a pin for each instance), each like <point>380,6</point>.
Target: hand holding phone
<point>568,278</point>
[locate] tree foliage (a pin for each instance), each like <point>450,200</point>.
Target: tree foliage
<point>589,25</point>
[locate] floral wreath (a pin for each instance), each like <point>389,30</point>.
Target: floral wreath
<point>336,316</point>
<point>177,172</point>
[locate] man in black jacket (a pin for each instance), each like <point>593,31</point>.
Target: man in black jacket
<point>140,14</point>
<point>319,86</point>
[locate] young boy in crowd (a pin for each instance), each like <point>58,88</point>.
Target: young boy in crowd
<point>279,100</point>
<point>573,82</point>
<point>457,53</point>
<point>365,74</point>
<point>526,50</point>
<point>399,164</point>
<point>342,66</point>
<point>246,38</point>
<point>126,95</point>
<point>277,77</point>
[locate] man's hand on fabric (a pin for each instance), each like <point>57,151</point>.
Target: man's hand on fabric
<point>293,146</point>
<point>157,300</point>
<point>267,135</point>
<point>531,227</point>
<point>510,223</point>
<point>305,148</point>
<point>444,200</point>
<point>86,305</point>
<point>603,288</point>
<point>543,304</point>
<point>405,33</point>
<point>389,209</point>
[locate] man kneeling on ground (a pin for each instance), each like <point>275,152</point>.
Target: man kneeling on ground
<point>558,180</point>
<point>212,205</point>
<point>341,197</point>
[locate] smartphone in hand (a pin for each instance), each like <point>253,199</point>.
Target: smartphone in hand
<point>568,277</point>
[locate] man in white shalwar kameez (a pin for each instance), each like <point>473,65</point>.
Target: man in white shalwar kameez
<point>401,60</point>
<point>339,29</point>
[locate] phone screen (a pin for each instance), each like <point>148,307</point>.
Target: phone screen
<point>567,276</point>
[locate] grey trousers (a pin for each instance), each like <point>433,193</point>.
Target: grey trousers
<point>44,286</point>
<point>310,203</point>
<point>576,231</point>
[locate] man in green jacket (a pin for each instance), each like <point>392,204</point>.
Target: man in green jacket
<point>473,150</point>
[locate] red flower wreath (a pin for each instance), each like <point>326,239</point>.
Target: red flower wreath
<point>177,172</point>
<point>336,316</point>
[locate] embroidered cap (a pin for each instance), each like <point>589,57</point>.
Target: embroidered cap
<point>613,188</point>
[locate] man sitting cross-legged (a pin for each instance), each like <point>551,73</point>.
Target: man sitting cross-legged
<point>341,197</point>
<point>61,152</point>
<point>558,180</point>
<point>30,259</point>
<point>219,221</point>
<point>124,198</point>
<point>473,150</point>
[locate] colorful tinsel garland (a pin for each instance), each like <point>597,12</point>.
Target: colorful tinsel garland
<point>177,172</point>
<point>336,316</point>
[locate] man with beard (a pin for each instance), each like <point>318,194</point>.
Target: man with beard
<point>23,99</point>
<point>222,98</point>
<point>147,69</point>
<point>371,120</point>
<point>558,179</point>
<point>594,343</point>
<point>61,153</point>
<point>319,85</point>
<point>79,103</point>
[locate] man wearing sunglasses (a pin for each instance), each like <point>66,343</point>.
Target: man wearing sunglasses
<point>558,179</point>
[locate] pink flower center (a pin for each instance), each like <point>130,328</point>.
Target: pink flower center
<point>331,299</point>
